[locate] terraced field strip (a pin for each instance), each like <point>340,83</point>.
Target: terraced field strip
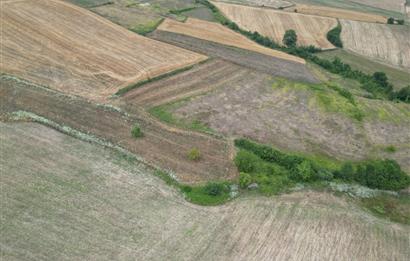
<point>337,13</point>
<point>161,146</point>
<point>220,34</point>
<point>73,50</point>
<point>65,199</point>
<point>311,30</point>
<point>385,43</point>
<point>249,59</point>
<point>201,79</point>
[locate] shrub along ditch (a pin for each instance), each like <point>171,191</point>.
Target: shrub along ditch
<point>370,83</point>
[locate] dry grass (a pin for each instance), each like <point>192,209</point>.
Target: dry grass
<point>64,199</point>
<point>385,43</point>
<point>220,34</point>
<point>311,30</point>
<point>338,13</point>
<point>392,5</point>
<point>75,51</point>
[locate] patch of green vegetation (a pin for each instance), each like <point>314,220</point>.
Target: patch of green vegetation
<point>144,29</point>
<point>390,149</point>
<point>194,154</point>
<point>211,194</point>
<point>181,11</point>
<point>159,77</point>
<point>136,131</point>
<point>394,208</point>
<point>162,112</point>
<point>91,3</point>
<point>278,170</point>
<point>330,97</point>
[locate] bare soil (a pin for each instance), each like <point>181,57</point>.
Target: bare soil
<point>161,145</point>
<point>64,199</point>
<point>75,51</point>
<point>248,59</point>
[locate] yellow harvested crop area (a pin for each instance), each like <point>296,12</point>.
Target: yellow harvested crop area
<point>385,43</point>
<point>218,33</point>
<point>70,49</point>
<point>338,13</point>
<point>311,30</point>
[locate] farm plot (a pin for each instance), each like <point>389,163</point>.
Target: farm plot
<point>311,30</point>
<point>64,199</point>
<point>161,145</point>
<point>385,43</point>
<point>248,59</point>
<point>220,34</point>
<point>392,5</point>
<point>338,13</point>
<point>276,4</point>
<point>62,46</point>
<point>303,118</point>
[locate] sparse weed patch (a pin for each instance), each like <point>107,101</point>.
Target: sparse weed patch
<point>395,208</point>
<point>213,193</point>
<point>194,154</point>
<point>136,131</point>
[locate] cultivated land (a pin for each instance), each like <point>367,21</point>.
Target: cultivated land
<point>397,76</point>
<point>80,53</point>
<point>311,30</point>
<point>161,145</point>
<point>64,199</point>
<point>393,5</point>
<point>338,13</point>
<point>218,33</point>
<point>384,43</point>
<point>249,59</point>
<point>261,3</point>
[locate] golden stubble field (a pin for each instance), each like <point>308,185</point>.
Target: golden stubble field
<point>385,43</point>
<point>311,30</point>
<point>73,50</point>
<point>220,34</point>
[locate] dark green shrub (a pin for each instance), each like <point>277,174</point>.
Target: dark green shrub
<point>136,131</point>
<point>346,173</point>
<point>244,180</point>
<point>400,21</point>
<point>290,38</point>
<point>403,94</point>
<point>334,36</point>
<point>390,20</point>
<point>246,161</point>
<point>303,172</point>
<point>215,189</point>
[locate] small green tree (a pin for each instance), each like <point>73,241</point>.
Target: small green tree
<point>244,179</point>
<point>194,154</point>
<point>246,161</point>
<point>290,38</point>
<point>214,189</point>
<point>136,131</point>
<point>390,20</point>
<point>400,22</point>
<point>304,172</point>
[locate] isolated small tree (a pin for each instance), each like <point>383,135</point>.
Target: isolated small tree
<point>400,22</point>
<point>390,20</point>
<point>381,78</point>
<point>290,38</point>
<point>194,154</point>
<point>244,179</point>
<point>136,131</point>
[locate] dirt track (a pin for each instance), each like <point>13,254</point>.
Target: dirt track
<point>64,199</point>
<point>248,59</point>
<point>161,145</point>
<point>75,51</point>
<point>311,30</point>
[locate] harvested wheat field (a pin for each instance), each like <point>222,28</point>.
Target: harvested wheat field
<point>218,33</point>
<point>338,13</point>
<point>311,30</point>
<point>70,49</point>
<point>65,199</point>
<point>384,43</point>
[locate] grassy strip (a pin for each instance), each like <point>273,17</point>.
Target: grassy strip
<point>159,77</point>
<point>379,87</point>
<point>391,207</point>
<point>334,36</point>
<point>183,10</point>
<point>144,29</point>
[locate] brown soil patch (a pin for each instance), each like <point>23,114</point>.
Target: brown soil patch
<point>311,30</point>
<point>218,33</point>
<point>162,146</point>
<point>338,13</point>
<point>73,50</point>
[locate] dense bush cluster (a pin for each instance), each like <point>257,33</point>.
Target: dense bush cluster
<point>377,86</point>
<point>334,36</point>
<point>274,170</point>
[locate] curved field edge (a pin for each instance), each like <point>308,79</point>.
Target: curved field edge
<point>97,205</point>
